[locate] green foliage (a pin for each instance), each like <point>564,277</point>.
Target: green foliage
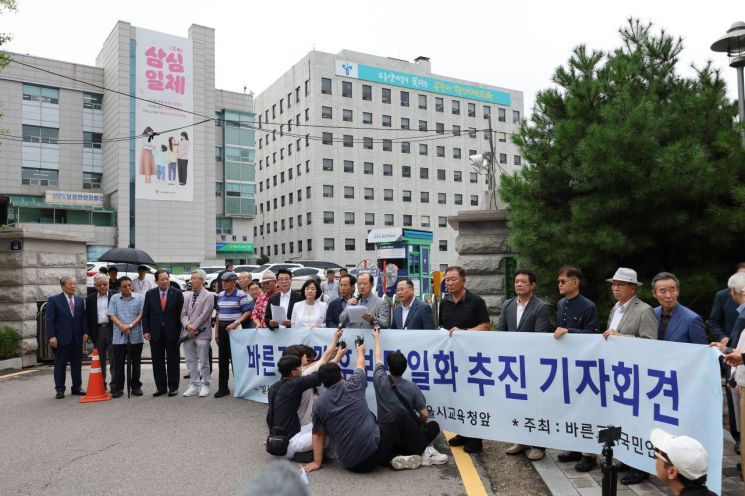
<point>5,5</point>
<point>263,259</point>
<point>9,341</point>
<point>631,164</point>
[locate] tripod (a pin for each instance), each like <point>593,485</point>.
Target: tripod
<point>608,468</point>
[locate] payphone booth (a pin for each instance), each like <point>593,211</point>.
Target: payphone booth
<point>408,249</point>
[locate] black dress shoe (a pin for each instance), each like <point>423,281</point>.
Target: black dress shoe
<point>570,456</point>
<point>117,394</point>
<point>473,446</point>
<point>172,393</point>
<point>187,376</point>
<point>222,392</point>
<point>586,464</point>
<point>458,440</point>
<point>137,392</point>
<point>634,477</point>
<point>60,395</point>
<point>737,448</point>
<point>622,467</point>
<point>159,393</point>
<point>78,392</point>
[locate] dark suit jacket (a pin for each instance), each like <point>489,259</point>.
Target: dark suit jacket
<point>684,326</point>
<point>723,316</point>
<point>536,316</point>
<point>336,307</point>
<point>155,321</point>
<point>420,316</point>
<point>61,324</point>
<point>274,300</point>
<point>91,310</point>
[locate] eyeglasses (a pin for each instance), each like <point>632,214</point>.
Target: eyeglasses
<point>564,281</point>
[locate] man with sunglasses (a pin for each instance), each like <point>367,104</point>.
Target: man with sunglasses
<point>681,462</point>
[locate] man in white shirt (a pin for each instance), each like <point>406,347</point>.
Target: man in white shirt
<point>99,326</point>
<point>285,298</point>
<point>142,285</point>
<point>630,316</point>
<point>330,287</point>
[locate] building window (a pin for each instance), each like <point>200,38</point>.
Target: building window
<point>422,102</point>
<point>224,225</point>
<point>424,196</point>
<point>456,152</point>
<point>346,89</point>
<point>471,110</point>
<point>458,199</point>
<point>471,132</point>
<point>386,121</point>
<point>422,125</point>
<point>219,187</point>
<point>346,115</point>
<point>518,160</point>
<point>458,176</point>
<point>348,140</point>
<point>439,104</point>
<point>440,151</point>
<point>367,92</point>
<point>442,221</point>
<point>387,169</point>
<point>326,112</point>
<point>328,191</point>
<point>348,191</point>
<point>92,140</point>
<point>92,180</point>
<point>405,171</point>
<point>349,218</point>
<point>456,107</point>
<point>309,244</point>
<point>308,218</point>
<point>423,173</point>
<point>502,158</point>
<point>367,118</point>
<point>405,123</point>
<point>328,244</point>
<point>387,145</point>
<point>349,244</point>
<point>369,219</point>
<point>367,143</point>
<point>404,98</point>
<point>487,111</point>
<point>299,220</point>
<point>501,115</point>
<point>443,243</point>
<point>405,147</point>
<point>327,138</point>
<point>386,95</point>
<point>502,137</point>
<point>456,130</point>
<point>388,219</point>
<point>406,196</point>
<point>92,101</point>
<point>369,193</point>
<point>423,149</point>
<point>307,86</point>
<point>388,194</point>
<point>473,177</point>
<point>328,164</point>
<point>367,168</point>
<point>39,177</point>
<point>441,174</point>
<point>348,166</point>
<point>474,200</point>
<point>325,86</point>
<point>42,94</point>
<point>407,220</point>
<point>515,116</point>
<point>39,134</point>
<point>439,128</point>
<point>425,221</point>
<point>442,198</point>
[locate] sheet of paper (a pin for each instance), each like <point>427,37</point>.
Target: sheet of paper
<point>355,313</point>
<point>279,314</point>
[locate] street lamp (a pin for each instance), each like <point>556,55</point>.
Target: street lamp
<point>734,44</point>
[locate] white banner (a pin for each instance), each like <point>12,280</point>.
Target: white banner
<point>531,388</point>
<point>164,168</point>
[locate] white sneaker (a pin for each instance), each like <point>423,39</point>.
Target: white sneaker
<point>205,391</point>
<point>433,457</point>
<point>192,391</point>
<point>402,462</point>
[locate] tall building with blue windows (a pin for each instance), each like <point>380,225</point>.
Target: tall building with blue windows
<point>137,150</point>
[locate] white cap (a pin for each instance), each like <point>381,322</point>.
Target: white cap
<point>625,274</point>
<point>686,454</point>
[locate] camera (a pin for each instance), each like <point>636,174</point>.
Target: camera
<point>359,340</point>
<point>341,344</point>
<point>609,435</point>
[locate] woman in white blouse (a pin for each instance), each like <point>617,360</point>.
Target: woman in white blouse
<point>312,311</point>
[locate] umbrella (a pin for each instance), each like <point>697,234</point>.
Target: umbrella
<point>127,255</point>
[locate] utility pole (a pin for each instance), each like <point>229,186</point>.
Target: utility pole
<point>491,179</point>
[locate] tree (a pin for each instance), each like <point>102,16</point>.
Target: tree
<point>630,164</point>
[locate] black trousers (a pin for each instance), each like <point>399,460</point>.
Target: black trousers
<point>224,358</point>
<point>166,363</point>
<point>119,354</point>
<point>72,353</point>
<point>103,345</point>
<point>182,163</point>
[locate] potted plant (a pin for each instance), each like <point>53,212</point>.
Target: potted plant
<point>10,350</point>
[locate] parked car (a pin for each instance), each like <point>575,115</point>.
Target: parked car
<point>246,268</point>
<point>319,264</point>
<point>258,274</point>
<point>301,274</point>
<point>129,270</point>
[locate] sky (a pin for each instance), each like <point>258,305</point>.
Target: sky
<point>515,45</point>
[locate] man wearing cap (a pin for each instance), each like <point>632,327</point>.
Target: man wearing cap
<point>269,287</point>
<point>681,462</point>
<point>676,322</point>
<point>630,316</point>
<point>232,310</point>
<point>228,268</point>
<point>142,285</point>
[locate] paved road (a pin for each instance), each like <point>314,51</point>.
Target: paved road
<point>160,446</point>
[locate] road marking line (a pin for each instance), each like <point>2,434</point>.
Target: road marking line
<point>468,473</point>
<point>14,374</point>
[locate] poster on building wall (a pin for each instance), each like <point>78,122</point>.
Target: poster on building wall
<point>164,165</point>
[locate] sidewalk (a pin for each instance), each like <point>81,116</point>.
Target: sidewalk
<point>563,480</point>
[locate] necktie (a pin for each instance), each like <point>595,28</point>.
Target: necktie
<point>71,302</point>
<point>194,299</point>
<point>162,301</point>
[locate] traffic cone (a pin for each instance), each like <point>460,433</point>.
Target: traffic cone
<point>96,390</point>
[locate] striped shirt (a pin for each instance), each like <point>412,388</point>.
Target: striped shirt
<point>231,306</point>
<point>126,310</point>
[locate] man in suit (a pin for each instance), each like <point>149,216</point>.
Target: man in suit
<point>100,330</point>
<point>67,329</point>
<point>525,313</point>
<point>285,298</point>
<point>378,311</point>
<point>630,316</point>
<point>337,306</point>
<point>676,322</point>
<point>161,325</point>
<point>195,322</point>
<point>411,313</point>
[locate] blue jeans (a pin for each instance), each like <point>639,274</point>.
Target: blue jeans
<point>172,171</point>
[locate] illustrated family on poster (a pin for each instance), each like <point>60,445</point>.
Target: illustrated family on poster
<point>168,160</point>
